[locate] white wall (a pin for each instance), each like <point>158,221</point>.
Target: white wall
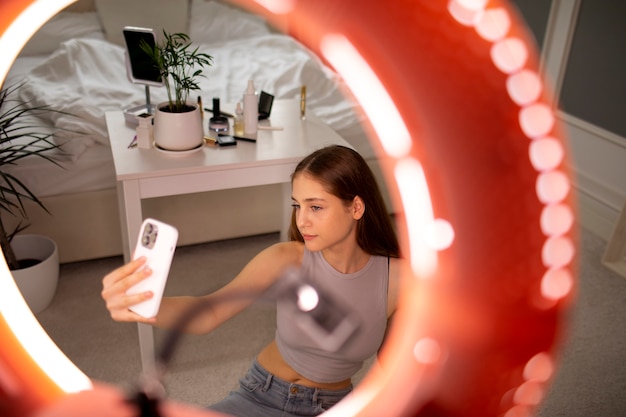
<point>600,175</point>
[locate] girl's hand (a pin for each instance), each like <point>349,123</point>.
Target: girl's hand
<point>114,287</point>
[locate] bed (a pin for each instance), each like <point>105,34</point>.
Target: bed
<point>75,63</point>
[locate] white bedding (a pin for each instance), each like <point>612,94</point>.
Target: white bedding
<point>86,77</point>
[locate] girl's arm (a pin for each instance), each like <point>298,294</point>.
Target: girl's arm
<point>261,272</point>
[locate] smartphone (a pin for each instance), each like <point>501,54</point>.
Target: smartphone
<point>226,140</point>
<point>157,242</point>
<point>139,66</point>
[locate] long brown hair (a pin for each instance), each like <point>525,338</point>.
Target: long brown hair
<point>345,174</point>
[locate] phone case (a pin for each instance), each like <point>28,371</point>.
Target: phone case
<point>157,242</point>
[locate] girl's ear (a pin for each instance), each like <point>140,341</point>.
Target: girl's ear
<point>358,208</point>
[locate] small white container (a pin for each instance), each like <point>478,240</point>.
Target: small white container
<point>144,131</point>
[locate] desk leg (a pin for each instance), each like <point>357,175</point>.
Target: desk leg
<point>286,210</point>
<point>129,201</point>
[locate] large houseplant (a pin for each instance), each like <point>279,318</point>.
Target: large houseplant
<point>35,273</point>
<point>180,67</point>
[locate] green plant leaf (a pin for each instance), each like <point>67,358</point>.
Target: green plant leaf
<point>16,123</point>
<point>179,66</point>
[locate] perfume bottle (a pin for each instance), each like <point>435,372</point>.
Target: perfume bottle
<point>238,120</point>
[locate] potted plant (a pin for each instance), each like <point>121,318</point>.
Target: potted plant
<point>178,121</point>
<point>33,259</point>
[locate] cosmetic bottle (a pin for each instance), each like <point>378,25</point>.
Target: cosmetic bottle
<point>238,120</point>
<point>144,131</point>
<point>250,110</point>
<point>201,107</point>
<point>218,123</point>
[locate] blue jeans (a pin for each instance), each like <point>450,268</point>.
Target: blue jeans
<point>261,394</point>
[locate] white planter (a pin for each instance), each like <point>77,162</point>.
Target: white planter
<point>37,283</point>
<point>178,131</point>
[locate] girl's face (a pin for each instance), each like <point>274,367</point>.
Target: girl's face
<point>322,218</point>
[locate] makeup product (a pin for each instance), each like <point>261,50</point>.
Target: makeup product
<point>222,113</point>
<point>250,110</point>
<point>238,120</point>
<point>303,102</point>
<point>210,141</point>
<point>218,123</point>
<point>200,107</point>
<point>226,140</point>
<point>245,139</point>
<point>144,131</point>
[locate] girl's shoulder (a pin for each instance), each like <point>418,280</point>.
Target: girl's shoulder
<point>284,254</point>
<point>269,265</point>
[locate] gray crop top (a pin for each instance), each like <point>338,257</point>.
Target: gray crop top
<point>365,293</point>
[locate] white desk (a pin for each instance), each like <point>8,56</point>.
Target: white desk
<point>148,173</point>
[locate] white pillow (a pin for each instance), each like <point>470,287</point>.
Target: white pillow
<point>62,27</point>
<point>212,22</point>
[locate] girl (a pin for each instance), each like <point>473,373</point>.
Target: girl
<point>343,241</point>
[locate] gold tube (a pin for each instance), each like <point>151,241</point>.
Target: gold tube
<point>303,102</point>
<point>201,108</point>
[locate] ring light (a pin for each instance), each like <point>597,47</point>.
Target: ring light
<point>477,167</point>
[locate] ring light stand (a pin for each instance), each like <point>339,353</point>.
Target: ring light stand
<point>149,108</point>
<point>477,166</point>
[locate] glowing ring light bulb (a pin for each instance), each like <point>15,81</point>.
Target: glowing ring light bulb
<point>480,308</point>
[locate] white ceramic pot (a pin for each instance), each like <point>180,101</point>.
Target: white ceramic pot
<point>37,283</point>
<point>178,131</point>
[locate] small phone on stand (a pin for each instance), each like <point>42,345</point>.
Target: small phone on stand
<point>157,242</point>
<point>140,67</point>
